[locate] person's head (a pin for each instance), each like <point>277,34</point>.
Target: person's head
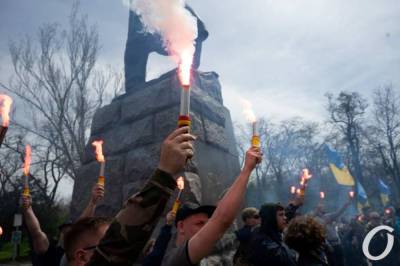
<point>190,218</point>
<point>83,237</point>
<point>304,233</point>
<point>273,217</point>
<point>374,219</point>
<point>251,217</point>
<point>63,229</point>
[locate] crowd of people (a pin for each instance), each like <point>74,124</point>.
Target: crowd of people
<point>275,234</point>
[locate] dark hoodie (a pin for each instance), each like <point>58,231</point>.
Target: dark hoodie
<point>267,247</point>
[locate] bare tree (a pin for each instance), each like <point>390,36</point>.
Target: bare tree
<point>386,132</point>
<point>288,148</point>
<point>55,76</point>
<point>347,114</point>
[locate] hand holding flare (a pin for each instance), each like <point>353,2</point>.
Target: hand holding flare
<point>5,106</point>
<point>100,158</point>
<point>27,163</point>
<point>181,185</point>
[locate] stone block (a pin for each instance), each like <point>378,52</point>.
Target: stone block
<point>209,83</point>
<point>106,117</point>
<point>141,162</point>
<point>125,137</point>
<point>215,134</point>
<point>149,101</point>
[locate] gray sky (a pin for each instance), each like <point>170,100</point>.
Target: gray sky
<point>283,55</point>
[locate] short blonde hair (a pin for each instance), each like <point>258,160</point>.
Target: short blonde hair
<point>248,213</point>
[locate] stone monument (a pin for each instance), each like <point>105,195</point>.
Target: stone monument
<point>134,125</point>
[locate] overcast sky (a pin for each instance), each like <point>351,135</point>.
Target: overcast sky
<point>283,55</point>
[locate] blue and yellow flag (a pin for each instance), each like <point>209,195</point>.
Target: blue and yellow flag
<point>362,198</point>
<point>385,192</point>
<point>339,170</point>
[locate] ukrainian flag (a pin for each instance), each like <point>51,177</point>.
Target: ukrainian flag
<point>385,192</point>
<point>362,198</point>
<point>339,170</point>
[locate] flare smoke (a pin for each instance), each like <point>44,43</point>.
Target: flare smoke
<point>170,19</point>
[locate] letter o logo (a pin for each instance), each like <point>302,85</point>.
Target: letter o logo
<point>370,235</point>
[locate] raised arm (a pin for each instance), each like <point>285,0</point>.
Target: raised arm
<point>135,223</point>
<point>202,243</point>
<point>39,238</point>
<point>333,216</point>
<point>97,194</point>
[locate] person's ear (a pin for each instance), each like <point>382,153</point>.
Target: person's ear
<point>81,257</point>
<point>179,227</point>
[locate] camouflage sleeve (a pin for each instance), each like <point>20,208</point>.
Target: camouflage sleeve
<point>134,224</point>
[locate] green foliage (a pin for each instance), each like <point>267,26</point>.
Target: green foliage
<point>6,250</point>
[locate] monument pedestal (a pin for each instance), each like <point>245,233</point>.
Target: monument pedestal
<point>133,127</point>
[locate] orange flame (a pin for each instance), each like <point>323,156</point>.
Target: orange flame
<point>298,191</point>
<point>27,162</point>
<point>185,67</point>
<point>293,189</point>
<point>351,194</point>
<point>302,181</point>
<point>306,174</point>
<point>322,195</point>
<point>248,111</point>
<point>98,150</point>
<point>180,183</point>
<point>5,107</point>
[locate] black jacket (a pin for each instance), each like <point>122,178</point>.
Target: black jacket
<point>313,258</point>
<point>266,246</point>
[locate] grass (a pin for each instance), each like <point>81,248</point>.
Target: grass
<point>6,250</point>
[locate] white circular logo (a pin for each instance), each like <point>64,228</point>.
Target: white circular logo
<point>371,234</point>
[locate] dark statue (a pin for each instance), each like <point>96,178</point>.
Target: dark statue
<point>140,44</point>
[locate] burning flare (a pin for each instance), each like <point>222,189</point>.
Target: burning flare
<point>5,106</point>
<point>248,111</point>
<point>180,183</point>
<point>98,144</point>
<point>351,194</point>
<point>293,190</point>
<point>322,195</point>
<point>251,117</point>
<point>27,162</point>
<point>306,174</point>
<point>185,68</point>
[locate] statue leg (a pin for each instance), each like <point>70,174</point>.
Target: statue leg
<point>197,55</point>
<point>135,67</point>
<point>136,54</point>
